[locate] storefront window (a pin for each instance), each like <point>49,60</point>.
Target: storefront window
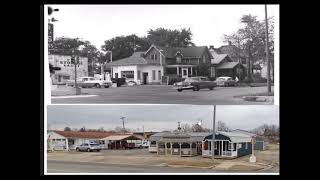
<point>127,74</point>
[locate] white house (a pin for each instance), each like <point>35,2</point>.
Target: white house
<point>138,68</point>
<point>76,138</point>
<point>56,141</point>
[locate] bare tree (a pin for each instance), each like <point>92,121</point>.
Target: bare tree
<point>222,126</point>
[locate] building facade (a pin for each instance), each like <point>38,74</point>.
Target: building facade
<point>67,70</point>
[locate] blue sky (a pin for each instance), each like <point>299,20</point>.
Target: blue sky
<point>159,117</point>
<point>98,23</point>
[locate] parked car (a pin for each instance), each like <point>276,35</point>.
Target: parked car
<point>86,82</point>
<point>89,147</point>
<point>195,83</point>
<point>225,81</point>
<point>143,144</point>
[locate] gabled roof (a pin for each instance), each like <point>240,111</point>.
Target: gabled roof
<point>135,59</point>
<point>78,134</point>
<point>218,58</point>
<point>187,52</point>
<point>227,65</point>
<point>233,136</point>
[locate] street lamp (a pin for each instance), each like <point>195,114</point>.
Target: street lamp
<point>75,58</point>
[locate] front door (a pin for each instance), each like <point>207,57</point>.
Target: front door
<point>145,77</point>
<point>184,72</point>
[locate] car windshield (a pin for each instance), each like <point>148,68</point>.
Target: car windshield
<point>91,79</point>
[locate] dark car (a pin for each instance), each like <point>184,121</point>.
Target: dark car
<point>195,83</point>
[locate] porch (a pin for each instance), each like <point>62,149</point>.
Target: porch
<point>179,70</point>
<point>222,149</point>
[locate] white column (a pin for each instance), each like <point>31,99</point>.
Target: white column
<point>180,148</point>
<point>171,148</point>
<point>191,71</point>
<point>67,145</point>
<point>191,149</point>
<point>222,146</point>
<point>202,146</point>
<point>157,147</point>
<point>165,148</point>
<point>177,70</point>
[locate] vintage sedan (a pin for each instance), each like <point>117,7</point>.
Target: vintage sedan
<point>195,83</point>
<point>87,82</point>
<point>225,81</point>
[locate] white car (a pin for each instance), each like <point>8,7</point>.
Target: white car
<point>86,82</point>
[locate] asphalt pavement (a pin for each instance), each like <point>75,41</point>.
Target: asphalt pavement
<point>162,94</point>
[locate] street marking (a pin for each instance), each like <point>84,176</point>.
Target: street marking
<point>74,96</point>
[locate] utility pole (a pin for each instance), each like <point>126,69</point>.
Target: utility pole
<point>122,118</point>
<point>213,131</point>
<point>267,52</point>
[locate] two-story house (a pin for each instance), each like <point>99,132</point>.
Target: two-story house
<point>149,67</point>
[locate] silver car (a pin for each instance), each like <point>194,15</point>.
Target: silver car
<point>89,147</point>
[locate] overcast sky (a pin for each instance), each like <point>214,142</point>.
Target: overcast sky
<point>158,117</point>
<point>208,23</point>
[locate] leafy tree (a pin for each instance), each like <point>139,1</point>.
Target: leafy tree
<point>124,46</point>
<point>68,46</point>
<point>67,129</point>
<point>170,38</point>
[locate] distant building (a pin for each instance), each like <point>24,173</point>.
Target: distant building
<point>66,71</point>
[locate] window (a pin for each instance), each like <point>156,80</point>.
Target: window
<point>127,74</point>
<point>178,59</point>
<point>215,145</point>
<point>153,75</point>
<point>154,56</point>
<point>159,75</point>
<point>168,145</point>
<point>139,75</point>
<point>66,77</point>
<point>239,146</point>
<point>61,62</point>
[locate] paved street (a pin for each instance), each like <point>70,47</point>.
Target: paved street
<point>84,167</point>
<point>157,94</point>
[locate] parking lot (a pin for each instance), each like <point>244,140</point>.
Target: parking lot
<point>268,160</point>
<point>163,94</point>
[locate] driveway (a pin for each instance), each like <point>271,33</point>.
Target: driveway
<point>162,94</point>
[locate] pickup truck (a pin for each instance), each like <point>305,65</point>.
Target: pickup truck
<point>88,82</point>
<point>195,83</point>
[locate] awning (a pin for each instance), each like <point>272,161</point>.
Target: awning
<point>123,137</point>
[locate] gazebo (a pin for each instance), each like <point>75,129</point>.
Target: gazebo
<point>180,144</point>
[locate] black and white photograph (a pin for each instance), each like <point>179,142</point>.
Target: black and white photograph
<point>161,89</point>
<point>163,54</point>
<point>162,139</point>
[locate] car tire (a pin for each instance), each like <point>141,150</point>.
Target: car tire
<point>106,86</point>
<point>179,90</point>
<point>98,150</point>
<point>88,150</point>
<point>77,149</point>
<point>211,88</point>
<point>97,85</point>
<point>196,88</point>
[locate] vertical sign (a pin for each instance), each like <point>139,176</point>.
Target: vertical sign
<point>50,35</point>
